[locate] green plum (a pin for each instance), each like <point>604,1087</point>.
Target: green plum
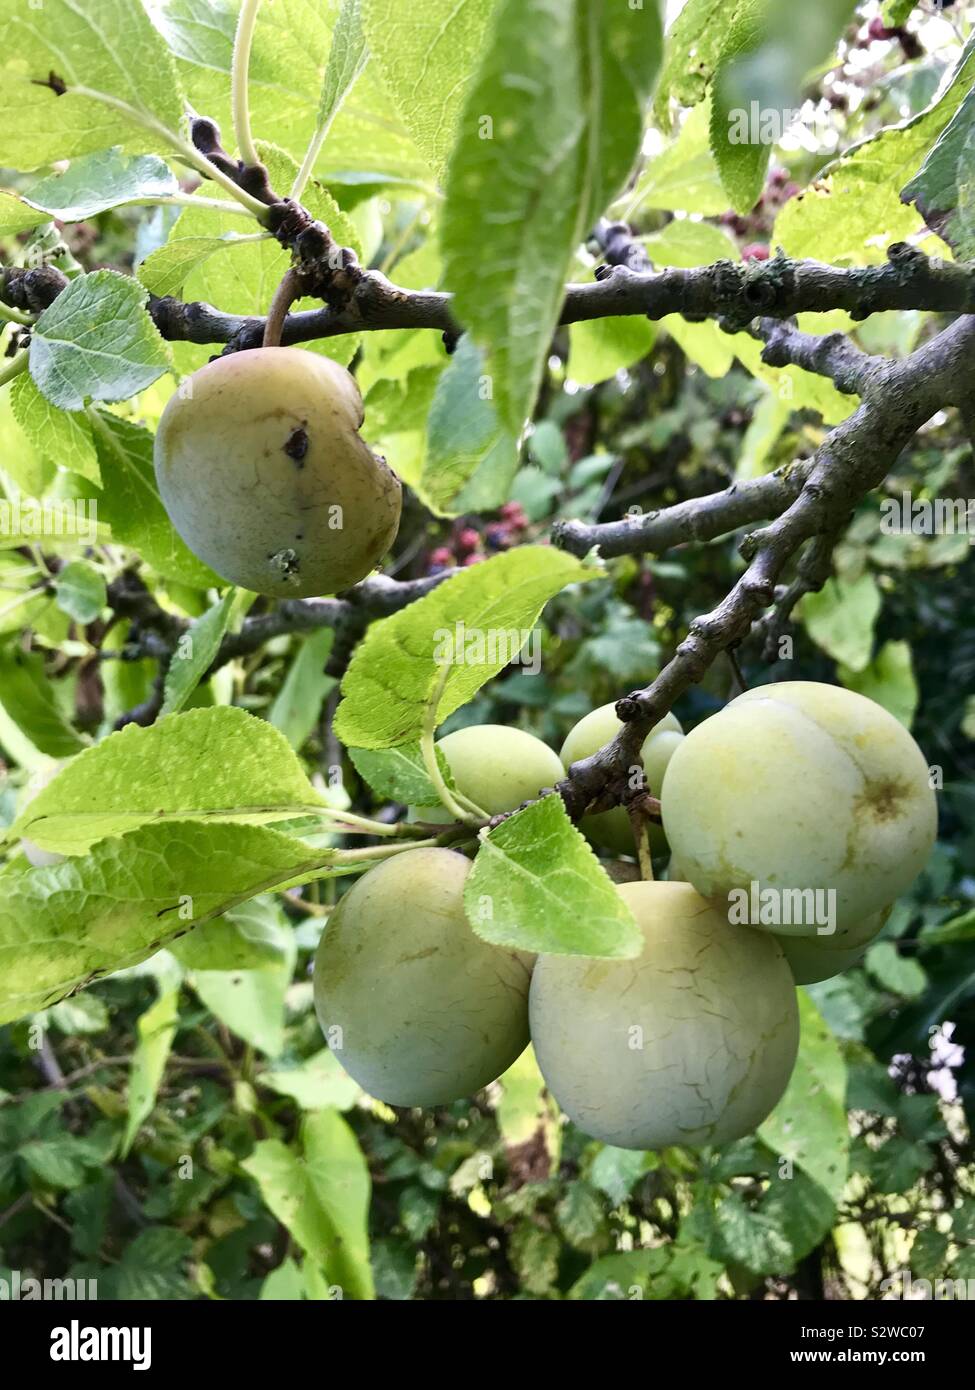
<point>692,1042</point>
<point>611,829</point>
<point>416,1007</point>
<point>798,789</point>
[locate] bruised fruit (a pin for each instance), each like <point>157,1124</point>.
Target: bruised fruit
<point>801,790</point>
<point>263,472</point>
<point>692,1042</point>
<point>418,1009</point>
<point>611,829</point>
<point>496,767</point>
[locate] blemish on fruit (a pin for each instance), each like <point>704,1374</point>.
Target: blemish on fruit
<point>285,563</point>
<point>297,446</point>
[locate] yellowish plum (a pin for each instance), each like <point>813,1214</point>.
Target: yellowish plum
<point>263,472</point>
<point>801,789</point>
<point>692,1042</point>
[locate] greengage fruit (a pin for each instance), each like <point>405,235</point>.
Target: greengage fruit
<point>801,787</point>
<point>611,829</point>
<point>692,1042</point>
<point>263,472</point>
<point>416,1007</point>
<point>496,767</point>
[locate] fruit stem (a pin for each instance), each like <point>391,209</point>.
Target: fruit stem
<point>14,368</point>
<point>460,807</point>
<point>284,296</point>
<point>641,835</point>
<point>15,316</point>
<point>239,74</point>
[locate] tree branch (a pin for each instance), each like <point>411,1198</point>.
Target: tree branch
<point>851,461</point>
<point>695,519</point>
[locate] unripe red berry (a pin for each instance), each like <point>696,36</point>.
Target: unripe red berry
<point>754,251</point>
<point>442,556</point>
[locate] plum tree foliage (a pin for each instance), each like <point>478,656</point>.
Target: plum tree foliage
<point>611,829</point>
<point>693,1042</point>
<point>801,786</point>
<point>418,1009</point>
<point>263,472</point>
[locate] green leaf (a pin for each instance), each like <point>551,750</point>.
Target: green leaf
<point>900,974</point>
<point>16,216</point>
<point>853,212</point>
<point>537,886</point>
<point>130,503</point>
<point>684,177</point>
<point>98,181</point>
<point>941,190</point>
<point>322,1197</point>
<point>752,1238</point>
<point>464,435</point>
<point>298,704</point>
<point>549,133</point>
<point>766,54</point>
<point>394,675</point>
<point>741,159</point>
<point>156,1030</point>
<point>599,348</point>
<point>63,926</point>
<point>346,58</point>
<point>151,1267</point>
<point>318,1083</point>
<point>252,1002</point>
<point>218,762</point>
<point>27,697</point>
<point>166,270</point>
<point>617,1171</point>
<point>399,774</point>
<point>119,80</point>
<point>686,243</point>
<point>96,341</point>
<point>63,436</point>
<point>889,680</point>
<point>237,941</point>
<point>896,1165</point>
<point>694,46</point>
<point>800,1210</point>
<point>427,54</point>
<point>615,1278</point>
<point>809,1124</point>
<point>841,619</point>
<point>81,591</point>
<point>60,1162</point>
<point>196,648</point>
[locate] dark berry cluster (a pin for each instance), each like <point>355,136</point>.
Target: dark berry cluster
<point>468,545</point>
<point>910,44</point>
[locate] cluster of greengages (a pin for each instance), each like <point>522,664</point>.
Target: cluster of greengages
<point>794,818</point>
